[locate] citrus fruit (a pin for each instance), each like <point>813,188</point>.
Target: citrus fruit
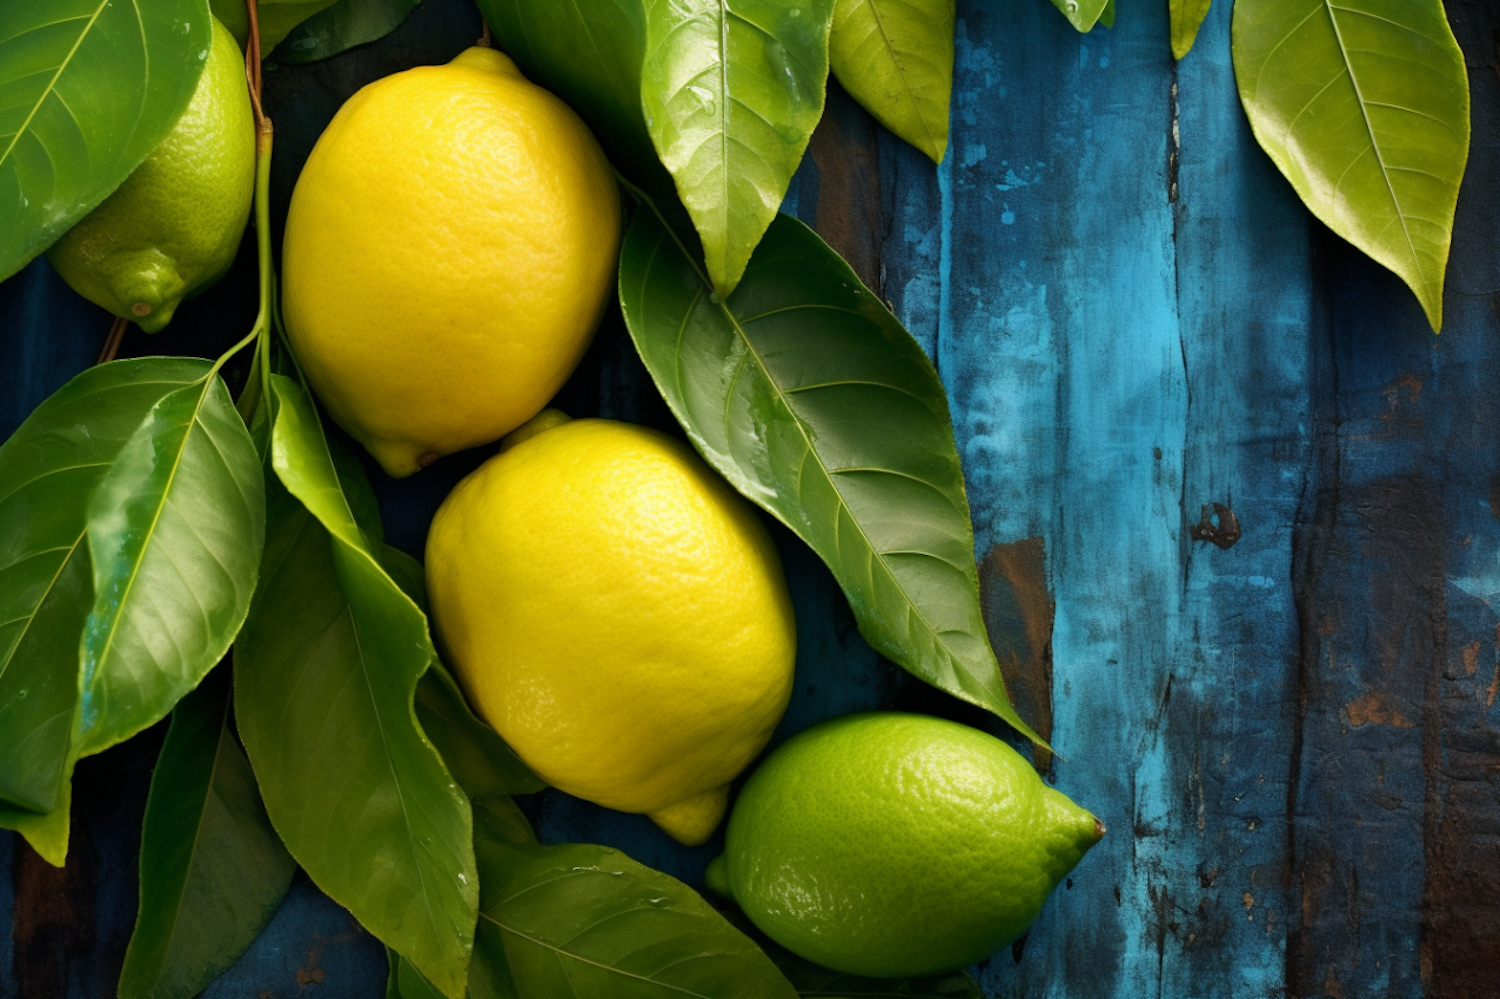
<point>618,614</point>
<point>172,228</point>
<point>895,845</point>
<point>450,246</point>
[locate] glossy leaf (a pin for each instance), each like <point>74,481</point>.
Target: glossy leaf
<point>1083,14</point>
<point>47,833</point>
<point>581,921</point>
<point>895,57</point>
<point>175,529</point>
<point>732,90</point>
<point>325,674</point>
<point>1187,17</point>
<point>276,18</point>
<point>48,470</point>
<point>810,398</point>
<point>342,26</point>
<point>213,872</point>
<point>1364,107</point>
<point>411,984</point>
<point>474,753</point>
<point>89,88</point>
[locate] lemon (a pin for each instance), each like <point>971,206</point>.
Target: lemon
<point>172,228</point>
<point>897,845</point>
<point>618,614</point>
<point>450,246</point>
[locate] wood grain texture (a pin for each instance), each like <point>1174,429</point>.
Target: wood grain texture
<point>1294,738</point>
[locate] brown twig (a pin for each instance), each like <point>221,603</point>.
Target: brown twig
<point>112,344</point>
<point>484,38</point>
<point>252,66</point>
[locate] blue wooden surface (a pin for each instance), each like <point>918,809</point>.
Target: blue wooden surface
<point>1294,740</point>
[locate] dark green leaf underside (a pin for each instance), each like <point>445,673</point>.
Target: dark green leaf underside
<point>213,871</point>
<point>581,921</point>
<point>342,26</point>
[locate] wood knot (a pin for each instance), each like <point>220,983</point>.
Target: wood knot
<point>1218,524</point>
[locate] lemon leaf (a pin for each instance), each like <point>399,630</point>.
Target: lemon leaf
<point>895,57</point>
<point>732,90</point>
<point>1084,14</point>
<point>341,26</point>
<point>175,529</point>
<point>1187,17</point>
<point>48,469</point>
<point>580,921</point>
<point>276,18</point>
<point>806,394</point>
<point>325,675</point>
<point>1364,107</point>
<point>91,86</point>
<point>587,52</point>
<point>213,872</point>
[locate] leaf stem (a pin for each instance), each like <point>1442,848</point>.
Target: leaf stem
<point>112,343</point>
<point>261,332</point>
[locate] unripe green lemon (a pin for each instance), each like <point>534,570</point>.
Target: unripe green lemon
<point>895,845</point>
<point>173,227</point>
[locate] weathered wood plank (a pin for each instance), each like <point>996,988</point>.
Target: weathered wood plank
<point>1399,797</point>
<point>1249,330</point>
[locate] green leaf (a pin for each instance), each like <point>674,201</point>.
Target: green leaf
<point>588,52</point>
<point>1083,14</point>
<point>895,57</point>
<point>47,834</point>
<point>276,18</point>
<point>732,90</point>
<point>325,675</point>
<point>813,401</point>
<point>581,921</point>
<point>89,88</point>
<point>1107,18</point>
<point>1364,107</point>
<point>474,753</point>
<point>342,26</point>
<point>411,984</point>
<point>1187,17</point>
<point>48,470</point>
<point>175,530</point>
<point>213,872</point>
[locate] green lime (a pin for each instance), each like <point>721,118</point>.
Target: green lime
<point>173,227</point>
<point>896,845</point>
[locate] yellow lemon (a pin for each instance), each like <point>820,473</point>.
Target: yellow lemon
<point>618,614</point>
<point>449,248</point>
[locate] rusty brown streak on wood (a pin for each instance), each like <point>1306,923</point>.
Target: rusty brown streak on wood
<point>849,214</point>
<point>54,920</point>
<point>1018,611</point>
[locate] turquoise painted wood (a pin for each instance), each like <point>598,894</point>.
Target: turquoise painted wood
<point>1237,508</point>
